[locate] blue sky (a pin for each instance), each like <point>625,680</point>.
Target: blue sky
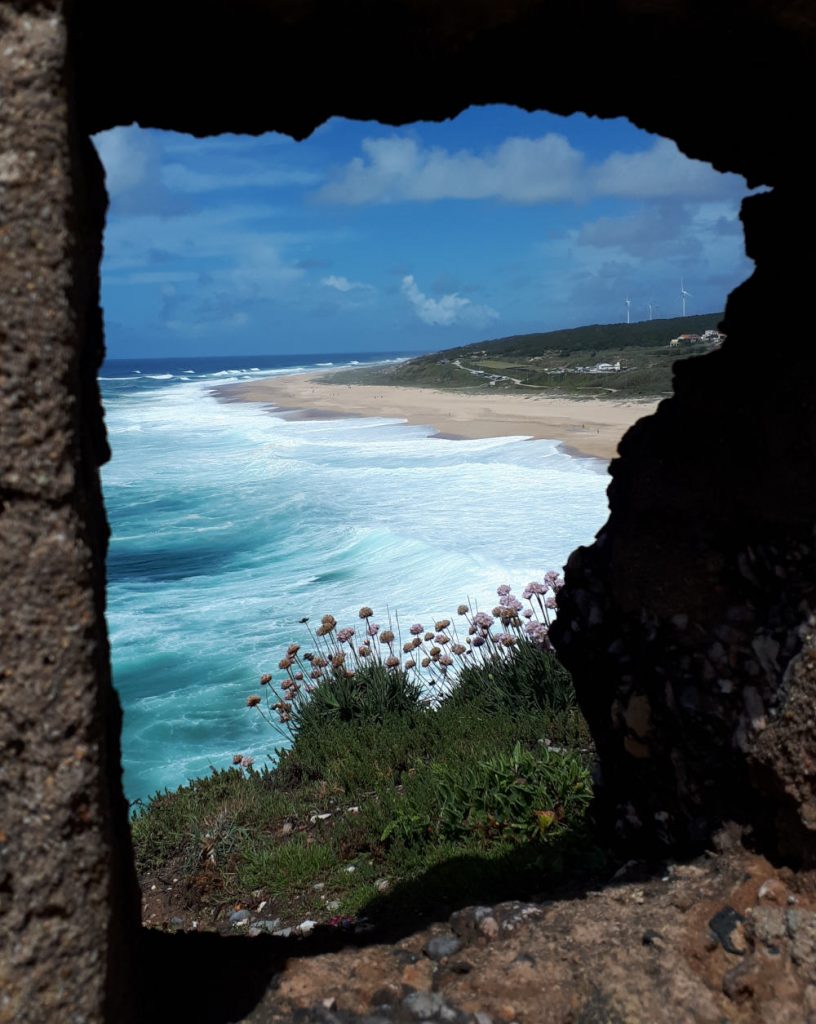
<point>366,237</point>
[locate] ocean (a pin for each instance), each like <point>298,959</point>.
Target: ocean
<point>229,525</point>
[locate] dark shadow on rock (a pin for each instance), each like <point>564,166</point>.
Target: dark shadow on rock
<point>213,979</point>
<point>204,977</point>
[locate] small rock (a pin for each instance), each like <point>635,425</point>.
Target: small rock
<point>319,886</point>
<point>442,946</point>
<point>351,868</point>
<point>329,1004</point>
<point>382,885</point>
<point>353,810</point>
<point>176,922</point>
<point>306,927</point>
<point>423,1005</point>
<point>773,891</point>
<point>268,927</point>
<point>482,1018</point>
<point>283,933</point>
<point>489,927</point>
<point>287,828</point>
<point>333,905</point>
<point>260,906</point>
<point>239,917</point>
<point>726,927</point>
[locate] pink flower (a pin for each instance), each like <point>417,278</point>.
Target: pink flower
<point>344,635</point>
<point>247,762</point>
<point>416,629</point>
<point>373,629</point>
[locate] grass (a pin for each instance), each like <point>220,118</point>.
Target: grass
<point>547,363</point>
<point>484,795</point>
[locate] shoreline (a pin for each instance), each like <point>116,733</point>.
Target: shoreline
<point>586,428</point>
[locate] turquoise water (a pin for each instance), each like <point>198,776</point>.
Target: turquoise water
<point>230,524</point>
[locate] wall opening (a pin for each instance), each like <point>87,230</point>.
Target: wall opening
<point>237,509</point>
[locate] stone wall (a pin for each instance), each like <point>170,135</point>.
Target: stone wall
<point>686,624</point>
<point>67,888</point>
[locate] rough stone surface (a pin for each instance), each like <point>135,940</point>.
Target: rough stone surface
<point>688,625</point>
<point>68,901</point>
<point>641,952</point>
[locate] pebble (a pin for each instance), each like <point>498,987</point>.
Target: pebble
<point>351,868</point>
<point>424,1005</point>
<point>442,946</point>
<point>382,885</point>
<point>319,886</point>
<point>239,917</point>
<point>306,927</point>
<point>269,926</point>
<point>333,905</point>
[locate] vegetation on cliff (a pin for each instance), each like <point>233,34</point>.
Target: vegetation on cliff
<point>557,362</point>
<point>415,777</point>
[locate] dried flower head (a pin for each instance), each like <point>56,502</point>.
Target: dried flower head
<point>344,635</point>
<point>316,673</point>
<point>435,652</point>
<point>338,659</point>
<point>253,701</point>
<point>416,642</point>
<point>442,624</point>
<point>407,648</point>
<point>237,758</point>
<point>410,663</point>
<point>416,629</point>
<point>365,612</point>
<point>429,636</point>
<point>285,663</point>
<point>426,662</point>
<point>478,641</point>
<point>298,676</point>
<point>322,631</point>
<point>247,762</point>
<point>459,648</point>
<point>386,637</point>
<point>483,620</point>
<point>364,651</point>
<point>445,660</point>
<point>266,678</point>
<point>392,662</point>
<point>329,620</point>
<point>463,609</point>
<point>441,638</point>
<point>373,629</point>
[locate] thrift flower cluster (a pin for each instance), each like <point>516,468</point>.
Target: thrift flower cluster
<point>431,655</point>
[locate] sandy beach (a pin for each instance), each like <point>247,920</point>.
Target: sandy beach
<point>589,427</point>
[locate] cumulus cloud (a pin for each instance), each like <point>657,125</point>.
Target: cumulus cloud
<point>342,284</point>
<point>244,175</point>
<point>520,170</point>
<point>129,157</point>
<point>448,309</point>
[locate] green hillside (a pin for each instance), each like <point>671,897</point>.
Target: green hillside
<point>558,362</point>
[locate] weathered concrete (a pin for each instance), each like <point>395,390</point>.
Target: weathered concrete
<point>67,890</point>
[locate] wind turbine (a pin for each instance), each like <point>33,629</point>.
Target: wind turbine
<point>684,295</point>
<point>628,304</point>
<point>652,306</point>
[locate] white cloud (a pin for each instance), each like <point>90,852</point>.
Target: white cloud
<point>660,172</point>
<point>342,284</point>
<point>129,157</point>
<point>184,179</point>
<point>520,170</point>
<point>447,310</point>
